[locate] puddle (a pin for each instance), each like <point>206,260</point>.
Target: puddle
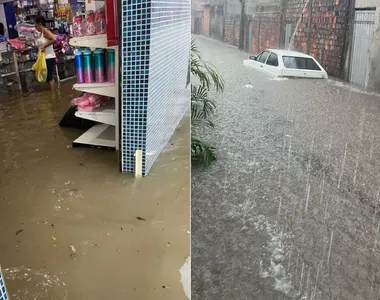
<point>27,284</point>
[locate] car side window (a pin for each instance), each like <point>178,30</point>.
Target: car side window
<point>258,56</point>
<point>263,57</point>
<point>272,60</point>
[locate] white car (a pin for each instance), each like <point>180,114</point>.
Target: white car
<point>285,63</point>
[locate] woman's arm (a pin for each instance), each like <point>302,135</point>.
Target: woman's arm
<point>50,36</point>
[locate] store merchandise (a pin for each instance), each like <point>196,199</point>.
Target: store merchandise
<point>89,102</point>
<point>17,44</point>
<point>100,22</point>
<point>62,43</point>
<point>99,65</point>
<point>95,66</point>
<point>3,46</point>
<point>90,24</point>
<point>79,70</point>
<point>87,66</point>
<point>78,27</point>
<point>111,65</point>
<point>62,12</point>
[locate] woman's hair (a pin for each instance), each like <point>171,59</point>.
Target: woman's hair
<point>40,20</point>
<point>2,29</point>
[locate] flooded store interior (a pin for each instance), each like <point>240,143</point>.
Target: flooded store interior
<point>74,227</point>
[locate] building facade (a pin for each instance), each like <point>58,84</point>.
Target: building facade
<point>342,35</point>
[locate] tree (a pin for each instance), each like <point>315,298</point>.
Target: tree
<point>205,79</point>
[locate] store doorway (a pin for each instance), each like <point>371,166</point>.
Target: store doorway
<point>10,17</point>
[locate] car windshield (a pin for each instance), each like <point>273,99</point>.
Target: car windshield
<point>303,63</point>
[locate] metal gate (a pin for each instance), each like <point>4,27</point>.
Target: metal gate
<point>361,46</point>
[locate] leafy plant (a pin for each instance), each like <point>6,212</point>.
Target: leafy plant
<point>205,78</point>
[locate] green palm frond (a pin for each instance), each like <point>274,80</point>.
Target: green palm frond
<point>205,71</point>
<point>202,154</point>
<point>201,102</point>
<point>202,107</point>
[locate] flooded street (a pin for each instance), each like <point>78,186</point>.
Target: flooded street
<point>72,226</point>
<point>291,208</point>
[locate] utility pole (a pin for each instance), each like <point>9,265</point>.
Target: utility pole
<point>242,25</point>
<point>309,27</point>
<point>225,3</point>
<point>283,8</point>
<point>346,57</point>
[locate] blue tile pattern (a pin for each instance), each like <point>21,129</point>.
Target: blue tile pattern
<point>155,49</point>
<point>134,79</point>
<point>3,290</point>
<point>170,49</point>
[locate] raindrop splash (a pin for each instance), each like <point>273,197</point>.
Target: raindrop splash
<point>331,241</point>
<point>371,149</point>
<point>377,205</point>
<point>322,189</point>
<point>307,198</point>
<point>343,165</point>
<point>301,280</point>
<point>290,151</point>
<point>356,168</point>
<point>376,237</point>
<point>371,289</point>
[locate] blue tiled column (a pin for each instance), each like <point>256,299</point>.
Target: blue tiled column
<point>3,290</point>
<point>155,55</point>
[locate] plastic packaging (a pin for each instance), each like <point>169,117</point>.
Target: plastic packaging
<point>100,23</point>
<point>40,68</point>
<point>78,27</point>
<point>90,24</point>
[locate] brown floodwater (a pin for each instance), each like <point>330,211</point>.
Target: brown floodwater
<point>71,225</point>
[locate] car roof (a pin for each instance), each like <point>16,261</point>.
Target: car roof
<point>288,53</point>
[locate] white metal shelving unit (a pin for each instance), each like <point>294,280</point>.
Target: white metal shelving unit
<point>107,133</point>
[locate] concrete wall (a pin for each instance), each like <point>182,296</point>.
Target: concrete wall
<point>374,68</point>
<point>326,38</point>
<point>232,29</point>
<point>206,21</point>
<point>266,29</point>
<point>366,3</point>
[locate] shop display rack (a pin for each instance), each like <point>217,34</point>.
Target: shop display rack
<point>105,134</point>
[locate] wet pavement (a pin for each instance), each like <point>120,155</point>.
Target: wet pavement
<point>291,208</point>
<point>71,225</point>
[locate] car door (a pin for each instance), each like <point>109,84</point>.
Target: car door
<point>261,59</point>
<point>272,65</point>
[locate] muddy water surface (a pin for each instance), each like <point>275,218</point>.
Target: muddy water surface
<point>71,225</point>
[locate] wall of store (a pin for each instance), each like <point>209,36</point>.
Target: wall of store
<point>155,57</point>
